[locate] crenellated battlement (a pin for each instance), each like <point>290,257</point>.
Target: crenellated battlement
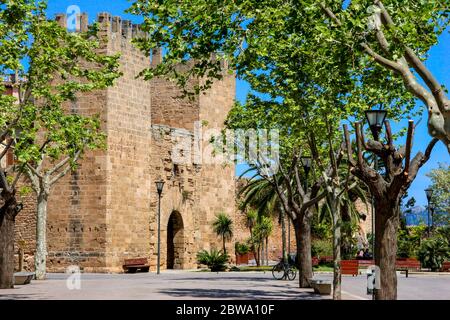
<point>108,23</point>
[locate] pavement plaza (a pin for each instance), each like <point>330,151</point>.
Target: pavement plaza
<point>188,285</point>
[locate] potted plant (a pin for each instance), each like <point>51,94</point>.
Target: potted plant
<point>242,253</point>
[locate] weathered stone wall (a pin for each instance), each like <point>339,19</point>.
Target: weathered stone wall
<point>179,198</point>
<point>25,231</point>
<point>169,107</point>
<point>242,234</point>
<point>217,183</point>
<point>128,155</point>
<point>196,187</point>
<point>106,211</point>
<point>99,215</point>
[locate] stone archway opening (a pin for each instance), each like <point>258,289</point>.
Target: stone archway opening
<point>175,241</point>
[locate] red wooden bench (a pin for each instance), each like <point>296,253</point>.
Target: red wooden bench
<point>365,263</point>
<point>446,266</point>
<point>407,264</point>
<point>349,267</point>
<point>315,261</point>
<point>326,259</point>
<point>133,265</point>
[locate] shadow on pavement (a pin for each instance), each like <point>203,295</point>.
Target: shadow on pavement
<point>18,296</point>
<point>232,278</point>
<point>240,294</point>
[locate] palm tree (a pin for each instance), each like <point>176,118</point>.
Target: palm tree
<point>223,226</point>
<point>251,216</point>
<point>265,228</point>
<point>261,196</point>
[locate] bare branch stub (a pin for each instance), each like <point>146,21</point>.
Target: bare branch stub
<point>389,136</point>
<point>348,145</point>
<point>409,138</point>
<point>359,146</point>
<point>398,174</point>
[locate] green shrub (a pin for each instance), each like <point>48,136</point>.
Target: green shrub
<point>349,242</point>
<point>215,260</point>
<point>406,245</point>
<point>409,240</point>
<point>418,232</point>
<point>444,231</point>
<point>321,230</point>
<point>241,248</point>
<point>433,252</point>
<point>321,248</point>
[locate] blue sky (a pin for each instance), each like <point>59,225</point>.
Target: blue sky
<point>438,63</point>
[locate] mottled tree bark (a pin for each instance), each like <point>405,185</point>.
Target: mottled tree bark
<point>8,213</point>
<point>387,190</point>
<point>40,257</point>
<point>337,276</point>
<point>303,240</point>
<point>283,234</point>
<point>386,225</point>
<point>7,223</point>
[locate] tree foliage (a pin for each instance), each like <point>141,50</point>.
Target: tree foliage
<point>274,43</point>
<point>440,184</point>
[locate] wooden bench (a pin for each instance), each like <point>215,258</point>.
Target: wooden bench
<point>407,264</point>
<point>365,263</point>
<point>349,267</point>
<point>446,266</point>
<point>315,261</point>
<point>133,265</point>
<point>326,259</point>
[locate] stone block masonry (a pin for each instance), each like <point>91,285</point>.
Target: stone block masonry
<point>106,210</point>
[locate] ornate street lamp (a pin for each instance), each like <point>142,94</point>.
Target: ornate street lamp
<point>306,163</point>
<point>429,193</point>
<point>376,118</point>
<point>159,188</point>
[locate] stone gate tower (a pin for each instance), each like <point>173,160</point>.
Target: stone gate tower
<point>106,210</point>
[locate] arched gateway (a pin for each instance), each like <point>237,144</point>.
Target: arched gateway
<point>175,241</point>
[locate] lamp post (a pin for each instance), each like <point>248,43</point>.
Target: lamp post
<point>306,163</point>
<point>159,188</point>
<point>429,193</point>
<point>375,119</point>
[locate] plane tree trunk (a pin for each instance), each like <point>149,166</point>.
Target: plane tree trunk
<point>303,240</point>
<point>387,190</point>
<point>7,223</point>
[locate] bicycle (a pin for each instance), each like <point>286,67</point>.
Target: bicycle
<point>283,270</point>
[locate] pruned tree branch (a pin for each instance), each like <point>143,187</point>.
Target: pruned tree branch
<point>349,146</point>
<point>412,58</point>
<point>60,175</point>
<point>4,182</point>
<point>389,136</point>
<point>60,165</point>
<point>359,148</point>
<point>6,148</point>
<point>408,146</point>
<point>33,171</point>
<point>330,14</point>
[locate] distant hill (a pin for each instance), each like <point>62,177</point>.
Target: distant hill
<point>416,216</point>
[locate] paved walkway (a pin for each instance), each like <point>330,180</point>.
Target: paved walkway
<point>205,285</point>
